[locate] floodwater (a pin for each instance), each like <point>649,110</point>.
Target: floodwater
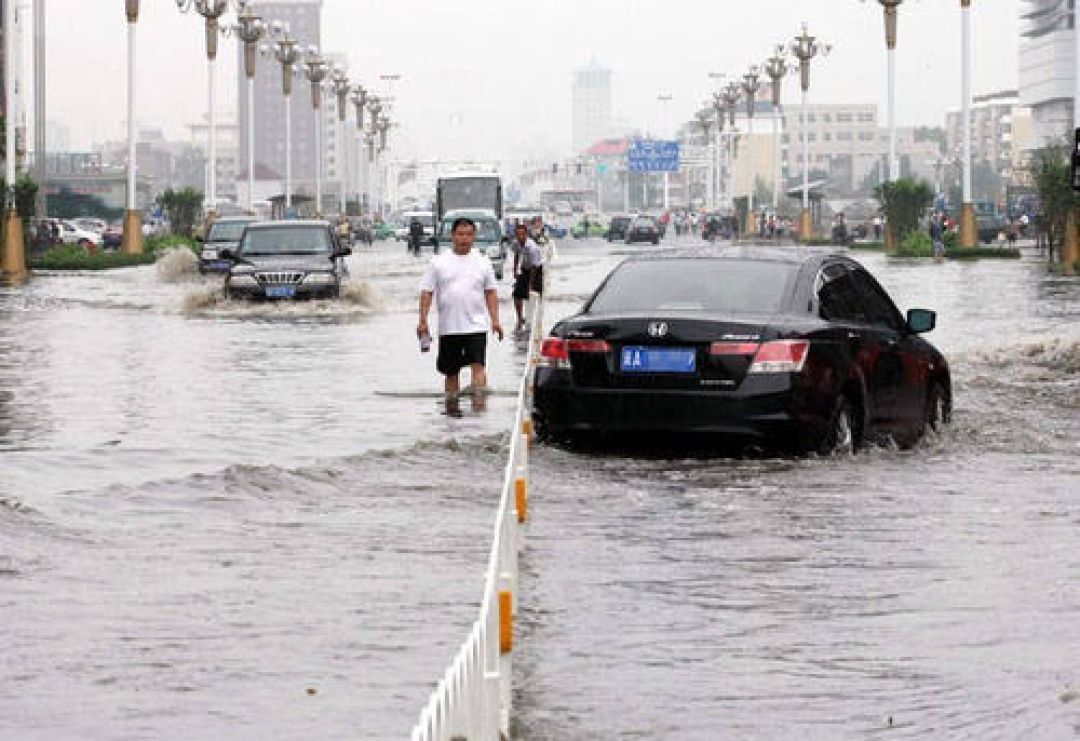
<point>222,520</point>
<point>932,593</point>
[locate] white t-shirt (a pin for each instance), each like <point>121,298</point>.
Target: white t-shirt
<point>459,283</point>
<point>529,254</point>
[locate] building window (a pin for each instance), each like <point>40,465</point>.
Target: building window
<point>843,118</point>
<point>844,136</point>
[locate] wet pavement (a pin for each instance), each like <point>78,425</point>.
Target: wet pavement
<point>240,521</point>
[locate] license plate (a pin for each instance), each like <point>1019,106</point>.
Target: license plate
<point>280,291</point>
<point>658,360</point>
<point>220,264</point>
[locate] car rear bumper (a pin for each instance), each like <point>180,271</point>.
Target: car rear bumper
<point>774,414</point>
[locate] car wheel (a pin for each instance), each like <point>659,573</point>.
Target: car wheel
<point>842,435</point>
<point>938,409</point>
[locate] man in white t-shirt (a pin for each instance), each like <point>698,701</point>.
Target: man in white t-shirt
<point>528,271</point>
<point>463,284</point>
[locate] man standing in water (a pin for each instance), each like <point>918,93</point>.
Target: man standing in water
<point>463,283</point>
<point>528,271</point>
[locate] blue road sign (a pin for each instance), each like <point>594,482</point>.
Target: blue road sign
<point>653,155</point>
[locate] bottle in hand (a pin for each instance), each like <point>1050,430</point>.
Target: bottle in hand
<point>425,341</point>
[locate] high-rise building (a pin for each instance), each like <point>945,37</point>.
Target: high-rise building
<point>1048,66</point>
<point>1000,131</point>
<point>304,18</point>
<point>592,105</point>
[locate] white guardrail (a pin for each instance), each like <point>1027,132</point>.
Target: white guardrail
<point>472,701</point>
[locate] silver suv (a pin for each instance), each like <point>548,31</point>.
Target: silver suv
<point>287,260</point>
<point>223,234</point>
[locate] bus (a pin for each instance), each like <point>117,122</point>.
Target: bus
<point>469,191</point>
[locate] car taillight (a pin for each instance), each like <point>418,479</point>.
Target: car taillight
<point>555,351</point>
<point>780,356</point>
<point>733,348</point>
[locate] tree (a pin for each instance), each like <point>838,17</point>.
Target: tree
<point>1050,171</point>
<point>183,208</point>
<point>903,202</point>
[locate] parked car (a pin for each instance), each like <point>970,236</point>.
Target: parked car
<point>385,230</point>
<point>596,228</point>
<point>72,234</point>
<point>96,226</point>
<point>113,236</point>
<point>489,236</point>
<point>757,346</point>
<point>643,229</point>
<point>286,260</point>
<point>555,231</point>
<point>223,234</point>
<point>618,228</point>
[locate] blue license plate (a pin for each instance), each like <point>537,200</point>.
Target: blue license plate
<point>220,265</point>
<point>658,360</point>
<point>280,291</point>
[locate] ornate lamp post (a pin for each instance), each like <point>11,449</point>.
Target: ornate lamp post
<point>731,96</point>
<point>375,108</point>
<point>804,48</point>
<point>369,145</point>
<point>316,69</point>
<point>751,85</point>
<point>211,10</point>
<point>287,55</point>
<point>777,69</point>
<point>721,114</point>
<point>341,86</point>
<point>704,121</point>
<point>250,29</point>
<point>969,234</point>
<point>13,262</point>
<point>892,16</point>
<point>132,240</point>
<point>382,130</point>
<point>359,100</point>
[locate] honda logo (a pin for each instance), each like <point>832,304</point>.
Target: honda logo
<point>658,329</point>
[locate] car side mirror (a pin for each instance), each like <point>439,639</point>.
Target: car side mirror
<point>226,254</point>
<point>921,321</point>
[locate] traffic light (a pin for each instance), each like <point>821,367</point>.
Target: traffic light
<point>1075,174</point>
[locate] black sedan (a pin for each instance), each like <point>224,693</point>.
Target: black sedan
<point>286,260</point>
<point>777,349</point>
<point>644,229</point>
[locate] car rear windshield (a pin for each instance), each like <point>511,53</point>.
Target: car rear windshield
<point>286,241</point>
<point>721,286</point>
<point>226,231</point>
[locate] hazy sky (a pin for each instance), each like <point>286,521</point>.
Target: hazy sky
<point>492,77</point>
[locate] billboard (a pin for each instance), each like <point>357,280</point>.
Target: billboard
<point>653,155</point>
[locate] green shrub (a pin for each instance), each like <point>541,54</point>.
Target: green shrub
<point>157,245</point>
<point>71,257</point>
<point>903,202</point>
<point>1001,253</point>
<point>951,241</point>
<point>916,244</point>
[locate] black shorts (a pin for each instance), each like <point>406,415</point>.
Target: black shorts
<point>459,350</point>
<point>521,284</point>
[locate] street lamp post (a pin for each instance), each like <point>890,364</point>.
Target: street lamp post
<point>731,96</point>
<point>369,145</point>
<point>665,100</point>
<point>969,235</point>
<point>250,29</point>
<point>342,87</point>
<point>131,243</point>
<point>892,13</point>
<point>721,113</point>
<point>316,69</point>
<point>383,131</point>
<point>375,108</point>
<point>211,11</point>
<point>287,54</point>
<point>751,84</point>
<point>704,120</point>
<point>777,69</point>
<point>13,261</point>
<point>359,100</point>
<point>804,48</point>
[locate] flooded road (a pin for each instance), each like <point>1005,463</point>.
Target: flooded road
<point>930,593</point>
<point>230,521</point>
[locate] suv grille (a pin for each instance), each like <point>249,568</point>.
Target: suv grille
<point>279,278</point>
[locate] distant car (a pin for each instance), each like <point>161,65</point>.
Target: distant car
<point>595,229</point>
<point>556,231</point>
<point>96,226</point>
<point>286,260</point>
<point>643,229</point>
<point>224,234</point>
<point>426,218</point>
<point>618,228</point>
<point>113,236</point>
<point>384,230</point>
<point>70,233</point>
<point>785,349</point>
<point>490,241</point>
<point>990,227</point>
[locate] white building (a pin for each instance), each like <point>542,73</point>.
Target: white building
<point>1048,66</point>
<point>227,139</point>
<point>591,105</point>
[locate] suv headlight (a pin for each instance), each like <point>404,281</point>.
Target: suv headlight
<point>242,279</point>
<point>319,279</point>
